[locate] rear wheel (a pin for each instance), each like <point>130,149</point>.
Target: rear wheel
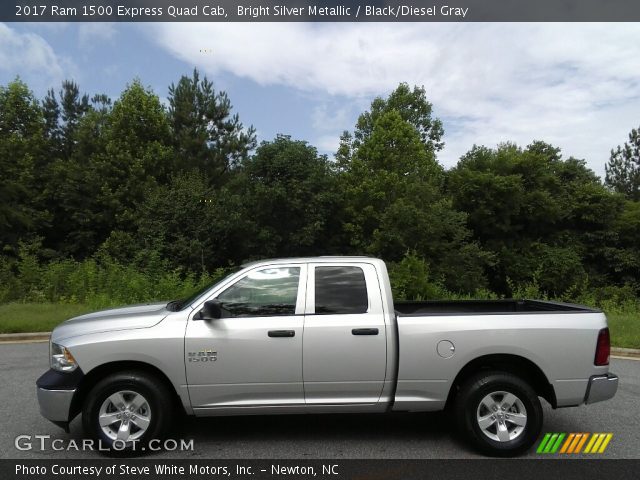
<point>124,411</point>
<point>499,413</point>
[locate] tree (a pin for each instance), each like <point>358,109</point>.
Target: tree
<point>74,130</point>
<point>538,213</point>
<point>62,117</point>
<point>623,168</point>
<point>282,201</point>
<point>118,153</point>
<point>51,113</point>
<point>137,153</point>
<point>205,134</point>
<point>73,107</point>
<point>623,252</point>
<point>177,221</point>
<point>21,156</point>
<point>290,193</point>
<point>388,166</point>
<point>395,203</point>
<point>73,190</point>
<point>413,107</point>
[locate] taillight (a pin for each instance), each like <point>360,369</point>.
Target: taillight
<point>603,348</point>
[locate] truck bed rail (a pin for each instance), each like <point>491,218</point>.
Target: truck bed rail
<point>474,307</point>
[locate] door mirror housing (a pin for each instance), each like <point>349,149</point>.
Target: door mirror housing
<point>211,310</point>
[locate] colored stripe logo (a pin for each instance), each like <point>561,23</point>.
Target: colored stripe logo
<point>573,443</point>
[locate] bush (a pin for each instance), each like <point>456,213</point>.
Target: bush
<point>529,290</point>
<point>410,280</point>
<point>95,282</point>
<point>104,282</point>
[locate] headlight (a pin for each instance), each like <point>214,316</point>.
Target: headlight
<point>61,358</point>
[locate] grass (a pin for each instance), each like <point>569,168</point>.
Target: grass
<point>625,329</point>
<point>43,317</point>
<point>36,317</point>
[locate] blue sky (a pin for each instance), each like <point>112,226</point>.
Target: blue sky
<point>105,60</point>
<point>574,85</point>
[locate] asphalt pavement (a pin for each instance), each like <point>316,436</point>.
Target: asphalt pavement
<point>305,436</point>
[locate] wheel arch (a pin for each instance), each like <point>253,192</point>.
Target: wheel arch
<point>92,377</point>
<point>511,363</point>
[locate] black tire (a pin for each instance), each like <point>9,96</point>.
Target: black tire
<point>467,408</point>
<point>158,406</point>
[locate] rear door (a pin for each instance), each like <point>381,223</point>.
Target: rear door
<point>344,343</point>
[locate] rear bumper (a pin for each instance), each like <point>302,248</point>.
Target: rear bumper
<point>601,387</point>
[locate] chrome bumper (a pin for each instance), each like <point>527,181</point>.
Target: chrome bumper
<point>55,405</point>
<point>601,387</point>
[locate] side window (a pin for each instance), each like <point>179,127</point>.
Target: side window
<point>265,292</point>
<point>340,290</point>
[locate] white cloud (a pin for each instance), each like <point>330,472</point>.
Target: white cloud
<point>327,143</point>
<point>329,114</point>
<point>50,27</point>
<point>90,33</point>
<point>31,54</point>
<point>575,85</point>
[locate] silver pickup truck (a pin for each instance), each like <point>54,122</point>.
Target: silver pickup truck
<point>322,335</point>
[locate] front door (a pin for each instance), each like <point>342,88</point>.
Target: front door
<point>252,357</point>
<point>344,347</point>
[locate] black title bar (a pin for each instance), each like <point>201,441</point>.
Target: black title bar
<point>319,11</point>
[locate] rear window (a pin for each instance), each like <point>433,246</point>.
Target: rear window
<point>340,290</point>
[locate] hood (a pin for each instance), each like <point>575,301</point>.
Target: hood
<point>143,315</point>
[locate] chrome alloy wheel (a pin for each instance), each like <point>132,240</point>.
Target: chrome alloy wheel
<point>501,416</point>
<point>124,416</point>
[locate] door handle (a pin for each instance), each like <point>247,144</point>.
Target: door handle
<point>282,333</point>
<point>364,331</point>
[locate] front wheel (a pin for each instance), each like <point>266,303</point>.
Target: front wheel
<point>126,410</point>
<point>499,413</point>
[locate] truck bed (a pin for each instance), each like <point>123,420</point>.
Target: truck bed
<point>487,307</point>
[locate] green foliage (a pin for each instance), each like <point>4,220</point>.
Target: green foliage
<point>178,222</point>
<point>291,196</point>
<point>104,203</point>
<point>536,212</point>
<point>410,280</point>
<point>36,317</point>
<point>63,116</point>
<point>205,134</point>
<point>622,253</point>
<point>21,154</point>
<point>529,289</point>
<point>624,328</point>
<point>95,282</point>
<point>394,202</point>
<point>623,168</point>
<point>413,107</point>
<point>73,191</point>
<point>136,154</point>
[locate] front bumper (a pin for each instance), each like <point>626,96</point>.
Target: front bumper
<point>601,387</point>
<point>55,405</point>
<point>56,391</point>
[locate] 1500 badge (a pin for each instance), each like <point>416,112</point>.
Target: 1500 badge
<point>206,355</point>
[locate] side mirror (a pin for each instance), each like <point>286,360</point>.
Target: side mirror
<point>211,310</point>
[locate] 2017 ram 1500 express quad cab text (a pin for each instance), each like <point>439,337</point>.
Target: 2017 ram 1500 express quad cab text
<point>322,335</point>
